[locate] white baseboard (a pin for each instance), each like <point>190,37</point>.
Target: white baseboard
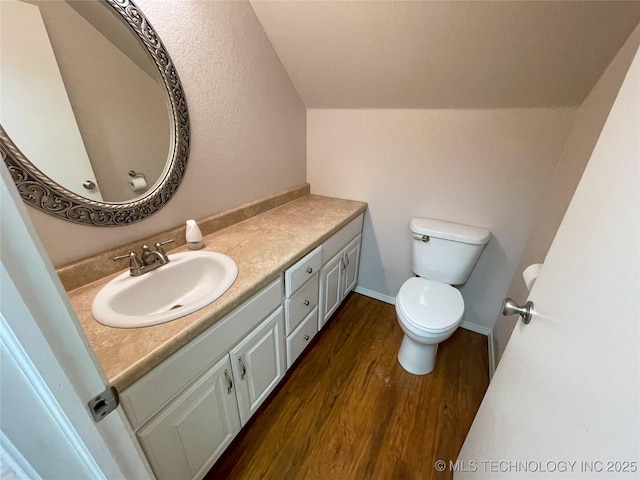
<point>492,357</point>
<point>481,329</point>
<point>376,295</point>
<point>489,334</point>
<point>475,328</point>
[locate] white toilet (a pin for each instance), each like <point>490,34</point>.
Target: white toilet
<point>429,309</point>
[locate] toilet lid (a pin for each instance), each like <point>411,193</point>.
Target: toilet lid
<point>430,305</point>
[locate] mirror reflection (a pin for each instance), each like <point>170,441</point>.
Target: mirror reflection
<point>82,99</point>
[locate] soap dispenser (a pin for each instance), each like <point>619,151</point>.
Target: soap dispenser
<point>193,235</point>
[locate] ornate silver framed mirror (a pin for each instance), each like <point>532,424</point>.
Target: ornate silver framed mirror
<point>36,184</point>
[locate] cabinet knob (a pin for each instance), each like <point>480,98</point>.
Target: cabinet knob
<point>229,382</point>
<point>306,337</point>
<point>309,269</point>
<point>244,369</point>
<point>306,303</point>
<point>344,262</point>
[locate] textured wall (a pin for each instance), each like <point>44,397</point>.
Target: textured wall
<point>481,167</point>
<point>445,54</point>
<point>247,123</point>
<point>590,119</point>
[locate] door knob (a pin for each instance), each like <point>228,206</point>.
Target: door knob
<point>510,307</point>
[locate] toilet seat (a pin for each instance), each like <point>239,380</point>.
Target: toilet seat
<point>429,306</point>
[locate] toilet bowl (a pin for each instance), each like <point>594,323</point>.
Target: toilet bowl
<point>428,313</point>
<point>429,308</point>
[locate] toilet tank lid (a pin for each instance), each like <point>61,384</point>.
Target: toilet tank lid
<point>456,232</point>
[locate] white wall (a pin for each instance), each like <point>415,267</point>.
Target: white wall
<point>481,167</point>
<point>445,54</point>
<point>590,119</point>
<point>247,124</point>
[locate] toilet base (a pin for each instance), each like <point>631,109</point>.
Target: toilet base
<point>417,358</point>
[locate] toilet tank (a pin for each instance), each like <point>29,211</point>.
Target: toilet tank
<point>451,251</point>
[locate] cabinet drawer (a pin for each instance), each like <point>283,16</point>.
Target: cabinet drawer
<point>300,339</point>
<point>300,304</point>
<point>300,272</point>
<point>338,240</point>
<point>149,394</point>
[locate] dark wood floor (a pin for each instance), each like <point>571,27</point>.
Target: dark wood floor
<point>347,409</point>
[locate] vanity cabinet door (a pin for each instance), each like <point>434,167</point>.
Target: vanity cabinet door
<point>337,278</point>
<point>259,363</point>
<point>330,288</point>
<point>351,262</point>
<point>188,436</point>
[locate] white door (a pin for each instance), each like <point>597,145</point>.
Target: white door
<point>565,399</point>
<point>49,371</point>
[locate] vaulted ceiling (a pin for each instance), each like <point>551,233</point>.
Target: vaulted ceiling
<point>445,54</point>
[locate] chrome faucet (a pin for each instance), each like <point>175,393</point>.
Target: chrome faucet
<point>149,259</point>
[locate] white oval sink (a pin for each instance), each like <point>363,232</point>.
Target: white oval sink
<point>190,281</point>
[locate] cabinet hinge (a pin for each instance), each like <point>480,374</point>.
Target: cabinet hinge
<point>104,403</point>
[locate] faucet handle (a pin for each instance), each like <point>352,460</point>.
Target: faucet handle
<point>160,244</point>
<point>134,263</point>
<point>126,255</point>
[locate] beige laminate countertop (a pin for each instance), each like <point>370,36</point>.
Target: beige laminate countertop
<point>262,246</point>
